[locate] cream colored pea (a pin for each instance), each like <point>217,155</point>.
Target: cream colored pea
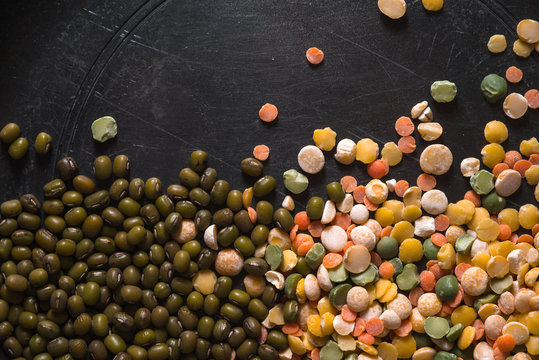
<point>356,259</point>
<point>478,246</point>
<point>401,306</point>
<point>474,281</point>
<point>469,166</point>
<point>187,232</point>
<point>522,300</point>
<point>426,116</point>
<point>391,184</point>
<point>515,106</point>
<point>347,204</point>
<point>311,159</point>
<point>497,44</point>
<point>329,212</point>
<point>376,191</point>
<point>424,226</point>
<point>391,153</point>
<point>522,48</point>
<point>254,285</point>
<point>366,150</point>
<point>346,151</point>
<point>312,289</point>
<point>392,8</point>
<point>362,235</point>
<point>359,214</point>
<point>428,304</point>
<point>418,109</point>
<point>276,279</point>
<point>334,238</point>
<point>516,259</point>
<point>412,196</point>
<point>518,330</point>
<point>373,311</point>
<point>430,131</point>
<point>210,237</point>
<point>434,202</point>
<point>418,321</point>
<point>357,299</point>
<point>506,302</point>
<point>532,257</point>
<point>322,275</point>
<point>483,351</point>
<point>425,353</point>
<point>508,182</point>
<point>375,227</point>
<point>204,281</point>
<point>341,326</point>
<point>497,267</point>
<point>436,159</point>
<point>528,215</point>
<point>496,132</point>
<point>530,146</point>
<point>391,320</point>
<point>288,203</point>
<point>528,31</point>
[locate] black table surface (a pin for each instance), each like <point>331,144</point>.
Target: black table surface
<point>184,75</point>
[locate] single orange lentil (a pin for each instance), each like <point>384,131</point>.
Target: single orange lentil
<point>342,219</point>
<point>349,183</point>
<point>314,55</point>
<point>534,159</point>
<point>513,74</point>
<point>479,329</point>
<point>414,295</point>
<point>301,239</point>
<point>404,126</point>
<point>304,248</point>
<point>359,194</point>
<point>535,229</point>
<point>290,328</point>
<point>302,220</point>
<point>532,96</point>
<point>315,354</point>
<point>386,231</point>
<point>374,326</point>
<point>370,205</point>
<point>457,300</point>
<point>315,228</point>
<point>367,338</point>
<point>268,112</point>
<point>438,239</point>
<point>427,280</point>
<point>377,169</point>
<point>473,197</point>
<point>359,327</point>
<point>406,144</point>
<point>400,187</point>
<point>347,314</point>
<point>506,342</point>
<point>405,329</point>
<point>441,222</point>
<point>511,157</point>
<point>332,260</point>
<point>460,269</point>
<point>525,238</point>
<point>426,182</point>
<point>505,232</point>
<point>521,166</point>
<point>261,152</point>
<point>498,168</point>
<point>386,270</point>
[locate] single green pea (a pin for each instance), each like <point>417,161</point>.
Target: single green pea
<point>443,91</point>
<point>447,287</point>
<point>493,87</point>
<point>387,247</point>
<point>493,202</point>
<point>295,182</point>
<point>482,182</point>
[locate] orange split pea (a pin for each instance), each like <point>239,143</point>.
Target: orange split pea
<point>261,152</point>
<point>532,96</point>
<point>404,126</point>
<point>426,182</point>
<point>378,169</point>
<point>513,74</point>
<point>268,112</point>
<point>314,55</point>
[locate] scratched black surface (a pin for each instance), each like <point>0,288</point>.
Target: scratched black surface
<point>183,75</point>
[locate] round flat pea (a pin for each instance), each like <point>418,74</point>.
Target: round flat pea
<point>408,278</point>
<point>337,295</point>
<point>430,250</point>
<point>387,247</point>
<point>104,128</point>
<point>454,333</point>
<point>274,256</point>
<point>464,244</point>
<point>443,91</point>
<point>295,182</point>
<point>315,256</point>
<point>447,287</point>
<point>436,327</point>
<point>366,277</point>
<point>502,285</point>
<point>493,87</point>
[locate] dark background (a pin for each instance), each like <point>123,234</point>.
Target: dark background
<point>185,75</point>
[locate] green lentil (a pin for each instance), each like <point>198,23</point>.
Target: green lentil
<point>493,87</point>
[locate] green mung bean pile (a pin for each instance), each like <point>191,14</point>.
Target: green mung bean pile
<point>136,271</point>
